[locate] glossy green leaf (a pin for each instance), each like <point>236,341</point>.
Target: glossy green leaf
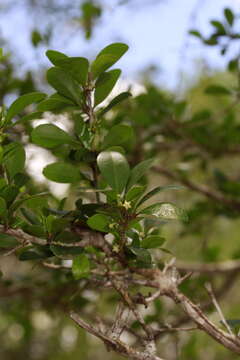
<point>76,66</point>
<point>114,168</point>
<point>81,267</point>
<point>99,222</point>
<point>52,105</point>
<point>64,83</point>
<point>135,192</point>
<point>14,158</point>
<point>138,171</point>
<point>104,85</point>
<point>164,210</point>
<point>117,100</point>
<point>108,57</point>
<point>54,56</point>
<point>118,135</point>
<point>50,136</point>
<point>21,103</point>
<point>62,173</point>
<point>33,116</point>
<point>157,190</point>
<point>7,241</point>
<point>152,242</point>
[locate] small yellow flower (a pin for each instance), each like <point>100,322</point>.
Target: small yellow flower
<point>112,226</point>
<point>127,205</point>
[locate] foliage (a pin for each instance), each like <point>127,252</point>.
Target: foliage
<point>108,236</point>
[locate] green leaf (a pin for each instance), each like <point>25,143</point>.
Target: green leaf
<point>217,90</point>
<point>64,83</point>
<point>229,15</point>
<point>142,254</point>
<point>52,105</point>
<point>157,190</point>
<point>35,253</point>
<point>14,158</point>
<point>117,100</point>
<point>195,33</point>
<point>3,208</point>
<point>138,171</point>
<point>219,27</point>
<point>108,57</point>
<point>104,85</point>
<point>114,168</point>
<point>118,135</point>
<point>152,242</point>
<point>36,38</point>
<point>21,103</point>
<point>77,67</point>
<point>7,241</point>
<point>80,267</point>
<point>54,56</point>
<point>29,117</point>
<point>165,211</point>
<point>99,222</point>
<point>233,323</point>
<point>135,192</point>
<point>62,173</point>
<point>50,136</point>
<point>30,216</point>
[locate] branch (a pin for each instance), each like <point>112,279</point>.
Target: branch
<point>114,344</point>
<point>221,267</point>
<point>202,189</point>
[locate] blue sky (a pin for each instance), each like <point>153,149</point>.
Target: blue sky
<point>157,34</point>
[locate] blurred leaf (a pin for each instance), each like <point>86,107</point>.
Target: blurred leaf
<point>114,168</point>
<point>138,171</point>
<point>80,267</point>
<point>3,208</point>
<point>14,158</point>
<point>219,27</point>
<point>135,192</point>
<point>142,255</point>
<point>21,103</point>
<point>195,33</point>
<point>36,38</point>
<point>108,57</point>
<point>54,56</point>
<point>99,222</point>
<point>35,253</point>
<point>77,67</point>
<point>217,90</point>
<point>164,210</point>
<point>7,241</point>
<point>229,15</point>
<point>64,83</point>
<point>117,100</point>
<point>157,190</point>
<point>118,135</point>
<point>62,173</point>
<point>50,136</point>
<point>152,242</point>
<point>104,85</point>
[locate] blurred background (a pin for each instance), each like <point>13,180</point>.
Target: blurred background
<point>164,67</point>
